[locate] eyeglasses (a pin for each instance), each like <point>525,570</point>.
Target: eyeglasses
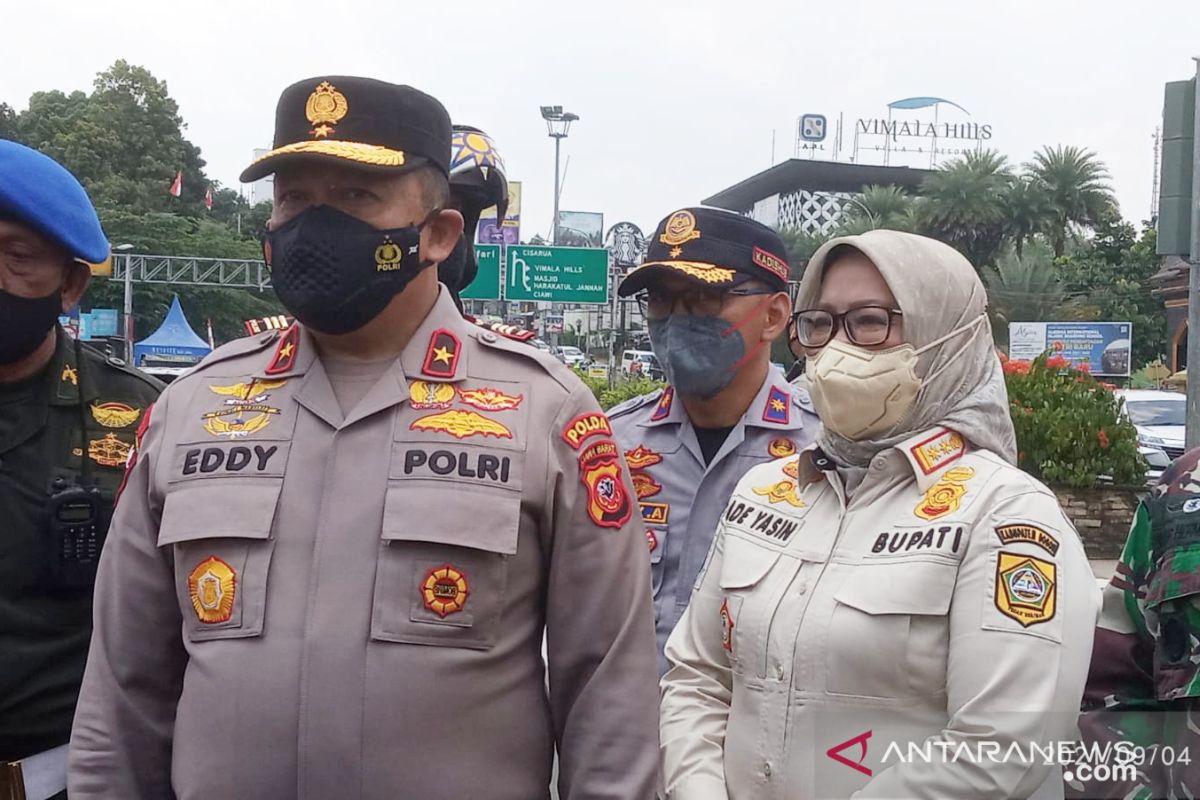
<point>659,303</point>
<point>865,326</point>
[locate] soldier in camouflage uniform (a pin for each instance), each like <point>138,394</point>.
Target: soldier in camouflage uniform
<point>1144,681</point>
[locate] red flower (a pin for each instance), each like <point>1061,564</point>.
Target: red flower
<point>1058,362</point>
<point>1084,367</point>
<point>1103,437</point>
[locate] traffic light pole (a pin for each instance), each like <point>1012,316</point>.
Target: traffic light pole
<point>1192,436</point>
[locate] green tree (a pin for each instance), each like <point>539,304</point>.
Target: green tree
<point>961,205</point>
<point>1027,210</point>
<point>877,207</point>
<point>1023,288</point>
<point>800,248</point>
<point>1075,182</point>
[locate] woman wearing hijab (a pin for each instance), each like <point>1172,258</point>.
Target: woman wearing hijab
<point>898,611</point>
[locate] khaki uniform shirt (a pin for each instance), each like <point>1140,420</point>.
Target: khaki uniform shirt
<point>297,604</point>
<point>949,603</point>
<point>681,498</point>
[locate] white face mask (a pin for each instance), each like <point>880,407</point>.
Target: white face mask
<point>860,393</point>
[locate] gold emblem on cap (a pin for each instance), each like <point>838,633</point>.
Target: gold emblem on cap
<point>681,227</point>
<point>326,106</point>
<point>387,256</point>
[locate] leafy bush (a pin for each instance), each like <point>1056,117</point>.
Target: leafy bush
<point>1069,429</point>
<point>622,390</point>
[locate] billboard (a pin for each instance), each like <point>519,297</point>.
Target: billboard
<point>580,229</point>
<point>1103,347</point>
<point>491,231</point>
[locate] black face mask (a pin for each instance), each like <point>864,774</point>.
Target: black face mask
<point>335,273</point>
<point>24,323</point>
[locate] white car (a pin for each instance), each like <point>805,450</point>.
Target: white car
<point>1159,418</point>
<point>571,356</point>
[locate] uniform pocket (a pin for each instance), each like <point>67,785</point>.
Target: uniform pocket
<point>889,632</point>
<point>221,538</point>
<point>441,579</point>
<point>748,607</point>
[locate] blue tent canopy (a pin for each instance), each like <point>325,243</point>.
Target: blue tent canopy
<point>173,341</point>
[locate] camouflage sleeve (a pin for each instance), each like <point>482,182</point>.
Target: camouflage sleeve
<point>1119,701</point>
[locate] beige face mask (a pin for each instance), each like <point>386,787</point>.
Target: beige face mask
<point>861,393</point>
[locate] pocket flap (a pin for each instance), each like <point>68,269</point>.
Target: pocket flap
<point>230,508</point>
<point>745,563</point>
<point>910,587</point>
<point>464,517</point>
<point>1175,576</point>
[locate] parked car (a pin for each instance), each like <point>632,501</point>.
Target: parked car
<point>1159,418</point>
<point>571,356</point>
<point>641,362</point>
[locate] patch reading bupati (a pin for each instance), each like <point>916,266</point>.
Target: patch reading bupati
<point>644,485</point>
<point>749,519</point>
<point>944,540</point>
<point>460,424</point>
<point>593,423</point>
<point>1011,534</point>
<point>426,395</point>
<point>938,451</point>
<point>1025,588</point>
<point>488,399</point>
<point>115,415</point>
<point>212,586</point>
<point>642,457</point>
<point>726,627</point>
<point>945,496</point>
<point>445,590</point>
<point>655,513</point>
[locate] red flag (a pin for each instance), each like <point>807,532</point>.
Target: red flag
<point>208,198</point>
<point>177,184</point>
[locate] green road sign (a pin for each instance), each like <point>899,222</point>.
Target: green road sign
<point>486,285</point>
<point>557,274</point>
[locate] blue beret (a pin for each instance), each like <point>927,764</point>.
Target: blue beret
<point>37,191</point>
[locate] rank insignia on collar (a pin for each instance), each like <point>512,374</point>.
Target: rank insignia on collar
<point>781,448</point>
<point>782,491</point>
<point>608,504</point>
<point>651,540</point>
<point>109,451</point>
<point>460,424</point>
<point>579,429</point>
<point>115,415</point>
<point>441,359</point>
<point>655,513</point>
<point>778,407</point>
<point>642,457</point>
<point>445,590</point>
<point>490,399</point>
<point>424,395</point>
<point>69,375</point>
<point>945,496</point>
<point>726,627</point>
<point>938,451</point>
<point>212,586</point>
<point>1025,588</point>
<point>285,352</point>
<point>664,405</point>
<point>645,486</point>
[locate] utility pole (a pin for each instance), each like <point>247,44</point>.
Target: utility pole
<point>1192,436</point>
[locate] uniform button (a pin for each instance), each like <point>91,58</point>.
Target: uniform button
<point>802,588</point>
<point>767,770</point>
<point>878,463</point>
<point>488,336</point>
<point>779,672</point>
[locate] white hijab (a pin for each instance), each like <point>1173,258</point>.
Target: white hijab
<point>938,291</point>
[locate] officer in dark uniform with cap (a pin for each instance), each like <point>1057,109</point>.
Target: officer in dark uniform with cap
<point>713,291</point>
<point>340,547</point>
<point>68,418</point>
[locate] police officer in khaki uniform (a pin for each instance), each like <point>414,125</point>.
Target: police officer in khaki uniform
<point>67,421</point>
<point>339,547</point>
<point>892,612</point>
<point>713,290</point>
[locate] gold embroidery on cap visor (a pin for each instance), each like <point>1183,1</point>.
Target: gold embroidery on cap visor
<point>709,273</point>
<point>370,154</point>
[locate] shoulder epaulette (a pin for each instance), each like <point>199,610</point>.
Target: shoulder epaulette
<point>802,399</point>
<point>507,331</point>
<point>634,403</point>
<point>238,347</point>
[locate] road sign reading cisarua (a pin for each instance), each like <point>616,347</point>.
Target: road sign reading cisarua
<point>557,274</point>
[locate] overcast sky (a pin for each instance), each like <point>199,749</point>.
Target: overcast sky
<point>677,100</point>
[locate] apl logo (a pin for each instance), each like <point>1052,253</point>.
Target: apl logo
<point>860,741</point>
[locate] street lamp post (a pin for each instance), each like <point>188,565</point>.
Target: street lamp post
<point>558,125</point>
<point>128,305</point>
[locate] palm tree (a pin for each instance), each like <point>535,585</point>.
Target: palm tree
<point>1023,288</point>
<point>962,204</point>
<point>1076,183</point>
<point>877,207</point>
<point>800,248</point>
<point>1027,208</point>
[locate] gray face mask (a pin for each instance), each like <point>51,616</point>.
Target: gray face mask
<point>700,355</point>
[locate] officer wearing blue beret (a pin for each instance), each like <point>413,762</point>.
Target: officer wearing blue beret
<point>713,291</point>
<point>68,419</point>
